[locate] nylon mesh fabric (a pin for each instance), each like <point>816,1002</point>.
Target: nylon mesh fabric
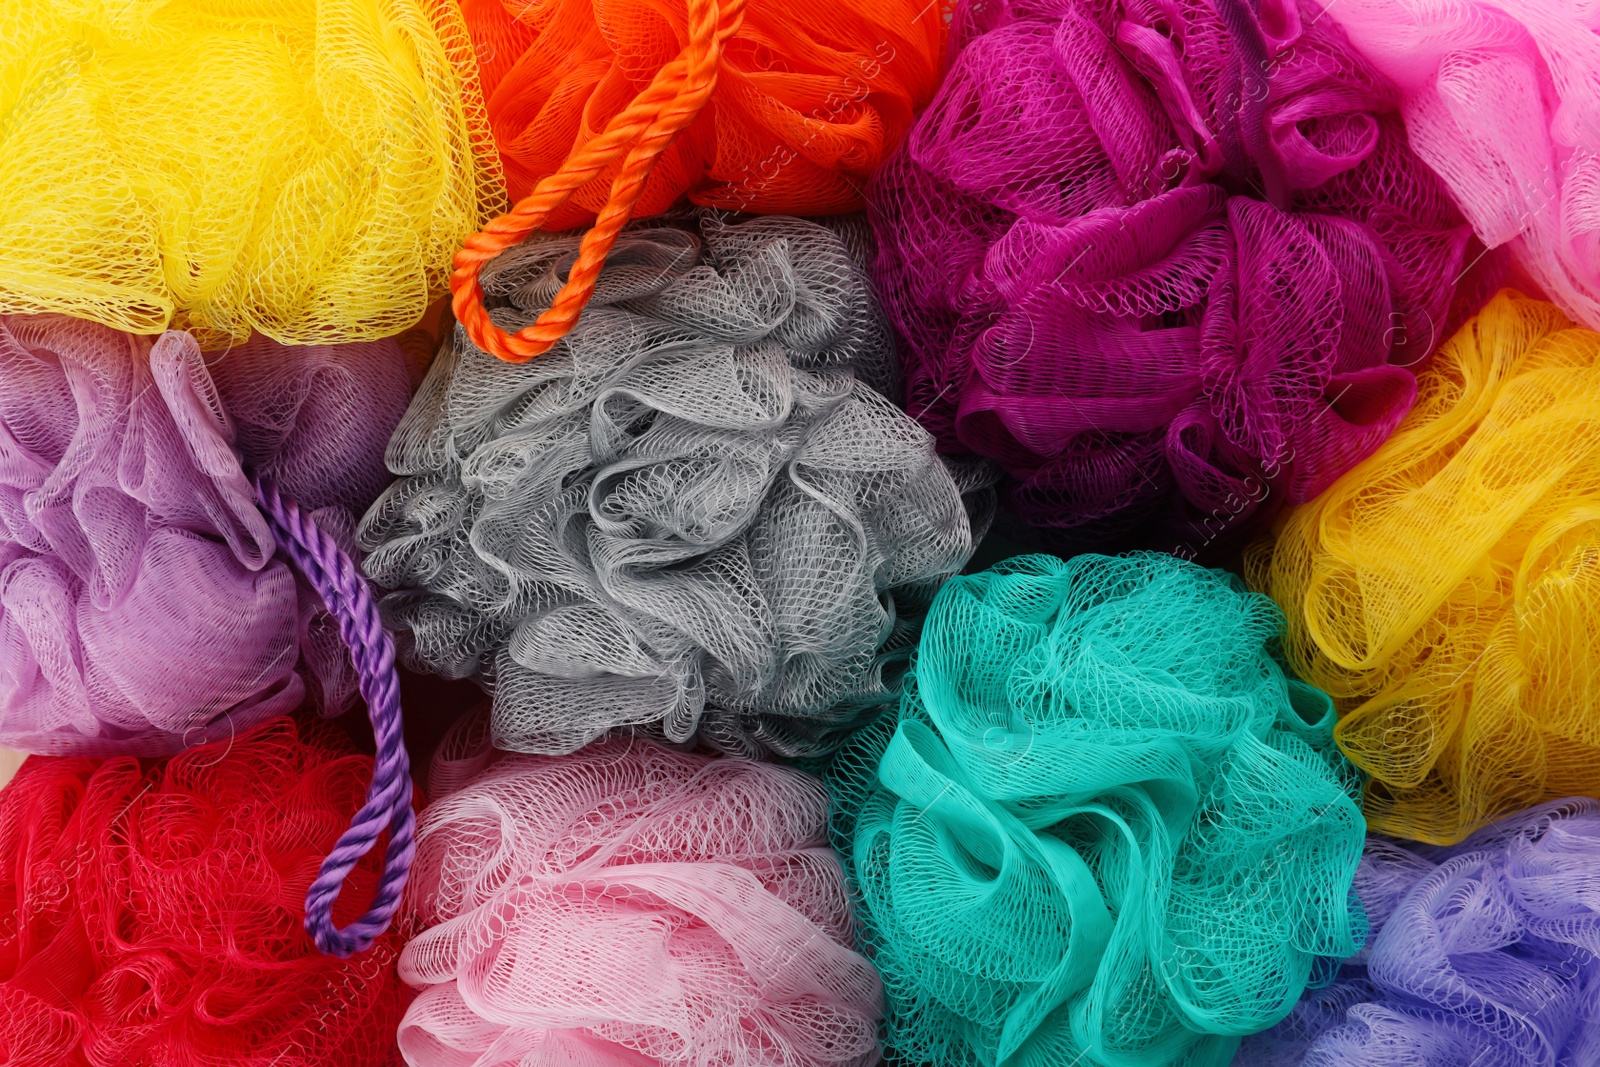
<point>303,168</point>
<point>1106,827</point>
<point>631,905</point>
<point>1445,592</point>
<point>142,607</point>
<point>695,517</point>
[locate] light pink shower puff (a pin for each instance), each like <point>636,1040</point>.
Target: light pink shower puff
<point>630,904</point>
<point>1502,100</point>
<point>141,607</point>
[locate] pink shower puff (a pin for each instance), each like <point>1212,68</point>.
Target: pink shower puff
<point>631,905</point>
<point>142,608</point>
<point>1502,99</point>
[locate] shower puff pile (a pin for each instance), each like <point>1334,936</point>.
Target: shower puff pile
<point>151,914</point>
<point>1446,592</point>
<point>632,905</point>
<point>1168,275</point>
<point>304,168</point>
<point>809,97</point>
<point>142,608</point>
<point>694,516</point>
<point>1106,829</point>
<point>1485,952</point>
<point>1502,99</point>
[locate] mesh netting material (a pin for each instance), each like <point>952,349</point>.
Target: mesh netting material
<point>1078,249</point>
<point>1106,829</point>
<point>1502,99</point>
<point>809,98</point>
<point>150,915</point>
<point>631,905</point>
<point>1446,592</point>
<point>305,168</point>
<point>693,517</point>
<point>142,607</point>
<point>1487,952</point>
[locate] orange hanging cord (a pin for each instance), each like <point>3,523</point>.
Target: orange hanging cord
<point>644,130</point>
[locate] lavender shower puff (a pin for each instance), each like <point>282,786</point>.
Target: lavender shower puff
<point>142,606</point>
<point>1484,952</point>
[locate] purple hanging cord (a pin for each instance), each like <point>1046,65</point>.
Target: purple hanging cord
<point>335,577</point>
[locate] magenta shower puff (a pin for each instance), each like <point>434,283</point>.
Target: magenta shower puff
<point>142,607</point>
<point>1171,263</point>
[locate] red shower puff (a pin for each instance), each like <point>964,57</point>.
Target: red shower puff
<point>150,910</point>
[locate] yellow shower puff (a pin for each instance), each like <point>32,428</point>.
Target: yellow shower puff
<point>1446,592</point>
<point>305,168</point>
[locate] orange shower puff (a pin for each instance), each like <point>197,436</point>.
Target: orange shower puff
<point>810,96</point>
<point>606,110</point>
<point>1446,591</point>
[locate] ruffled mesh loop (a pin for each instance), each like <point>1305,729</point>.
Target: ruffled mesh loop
<point>607,112</point>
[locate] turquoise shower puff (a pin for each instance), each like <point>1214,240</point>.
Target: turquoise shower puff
<point>1105,826</point>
